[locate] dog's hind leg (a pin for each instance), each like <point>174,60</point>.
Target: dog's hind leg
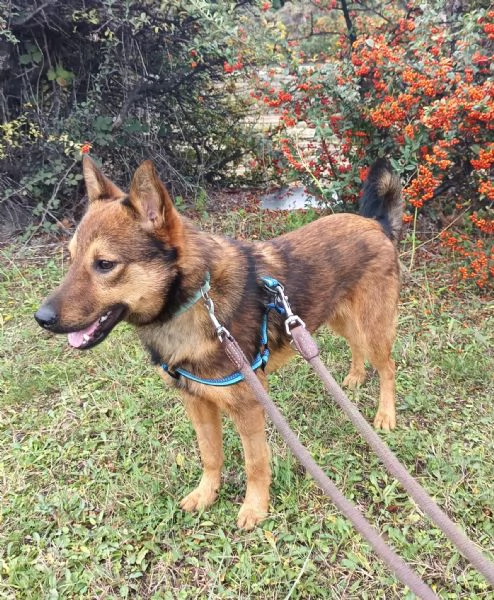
<point>249,420</point>
<point>206,419</point>
<point>380,357</point>
<point>380,334</point>
<point>356,375</point>
<point>370,335</point>
<point>356,340</point>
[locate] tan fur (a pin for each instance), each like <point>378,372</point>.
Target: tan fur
<point>341,270</point>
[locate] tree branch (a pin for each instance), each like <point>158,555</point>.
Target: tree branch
<point>143,88</point>
<point>349,25</point>
<point>23,19</point>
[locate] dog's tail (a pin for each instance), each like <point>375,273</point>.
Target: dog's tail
<point>381,198</point>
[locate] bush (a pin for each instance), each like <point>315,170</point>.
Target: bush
<point>132,80</point>
<point>414,84</point>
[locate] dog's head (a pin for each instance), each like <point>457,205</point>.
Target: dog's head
<point>124,259</point>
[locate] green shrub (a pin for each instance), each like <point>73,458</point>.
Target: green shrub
<point>132,79</point>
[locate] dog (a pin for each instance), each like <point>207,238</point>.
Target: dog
<point>135,259</point>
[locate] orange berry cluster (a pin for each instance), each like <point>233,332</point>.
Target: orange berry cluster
<point>485,158</point>
<point>422,187</point>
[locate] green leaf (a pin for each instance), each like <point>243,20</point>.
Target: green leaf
<point>103,123</point>
<point>349,564</point>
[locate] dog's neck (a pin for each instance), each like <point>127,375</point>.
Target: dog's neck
<point>183,330</point>
<point>186,338</point>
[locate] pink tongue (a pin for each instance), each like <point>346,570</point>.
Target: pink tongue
<point>76,338</point>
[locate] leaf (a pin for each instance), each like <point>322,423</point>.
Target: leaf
<point>134,127</point>
<point>102,123</point>
<point>68,75</point>
<point>141,556</point>
<point>270,538</point>
<point>349,564</point>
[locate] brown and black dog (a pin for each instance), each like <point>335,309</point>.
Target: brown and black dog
<point>134,258</point>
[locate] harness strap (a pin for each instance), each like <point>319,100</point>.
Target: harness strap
<point>236,377</point>
<point>259,361</point>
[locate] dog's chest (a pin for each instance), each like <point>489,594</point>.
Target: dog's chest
<point>176,343</point>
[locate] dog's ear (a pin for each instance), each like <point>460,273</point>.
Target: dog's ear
<point>150,199</point>
<point>98,186</point>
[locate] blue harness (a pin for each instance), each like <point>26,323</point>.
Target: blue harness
<point>261,358</point>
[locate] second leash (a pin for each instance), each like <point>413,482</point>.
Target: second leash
<point>307,347</point>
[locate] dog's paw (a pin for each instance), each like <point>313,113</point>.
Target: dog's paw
<point>354,379</point>
<point>198,499</point>
<point>249,516</point>
<point>385,420</point>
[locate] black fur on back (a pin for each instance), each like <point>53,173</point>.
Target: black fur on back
<point>381,198</point>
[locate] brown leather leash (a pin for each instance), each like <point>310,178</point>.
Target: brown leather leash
<point>307,347</point>
<point>404,573</point>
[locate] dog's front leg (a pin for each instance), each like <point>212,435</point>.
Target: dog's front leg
<point>206,418</point>
<point>249,420</point>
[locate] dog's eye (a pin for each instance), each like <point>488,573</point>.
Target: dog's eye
<point>105,265</point>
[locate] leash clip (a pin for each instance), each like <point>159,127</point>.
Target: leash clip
<point>280,298</point>
<point>221,331</point>
<point>291,319</point>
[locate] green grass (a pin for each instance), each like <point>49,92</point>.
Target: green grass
<point>95,454</point>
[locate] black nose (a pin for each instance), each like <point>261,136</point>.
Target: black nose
<point>46,316</point>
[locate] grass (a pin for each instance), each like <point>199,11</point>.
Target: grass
<point>95,454</point>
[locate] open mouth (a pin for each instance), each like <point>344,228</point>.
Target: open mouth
<point>97,331</point>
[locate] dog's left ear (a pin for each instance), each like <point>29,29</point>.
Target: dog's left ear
<point>150,199</point>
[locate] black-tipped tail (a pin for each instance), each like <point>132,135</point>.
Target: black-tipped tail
<point>382,199</point>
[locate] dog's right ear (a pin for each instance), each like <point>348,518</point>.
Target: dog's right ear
<point>153,203</point>
<point>98,186</point>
